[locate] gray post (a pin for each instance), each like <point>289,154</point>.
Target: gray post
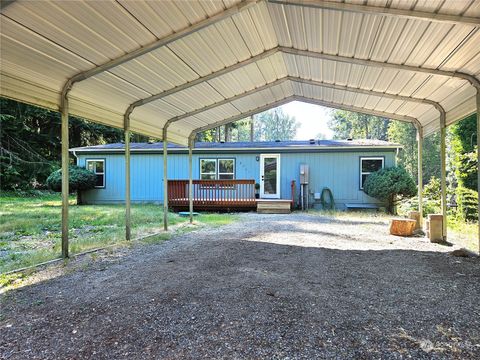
<point>190,177</point>
<point>165,181</point>
<point>443,175</point>
<point>65,176</point>
<point>478,163</point>
<point>420,172</point>
<point>127,182</point>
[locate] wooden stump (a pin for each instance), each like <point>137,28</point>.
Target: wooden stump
<point>402,227</point>
<point>415,215</point>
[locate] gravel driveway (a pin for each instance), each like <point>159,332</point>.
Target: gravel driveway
<point>268,286</point>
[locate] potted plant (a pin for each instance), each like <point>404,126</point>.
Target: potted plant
<point>257,191</point>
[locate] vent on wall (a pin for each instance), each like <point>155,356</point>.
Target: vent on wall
<point>349,139</point>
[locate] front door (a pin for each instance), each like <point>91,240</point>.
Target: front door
<point>270,176</point>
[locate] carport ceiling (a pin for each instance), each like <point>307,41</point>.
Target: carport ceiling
<point>196,64</point>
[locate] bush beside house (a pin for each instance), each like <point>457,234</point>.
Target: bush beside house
<point>390,185</point>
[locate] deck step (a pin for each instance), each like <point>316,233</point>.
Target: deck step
<point>273,206</point>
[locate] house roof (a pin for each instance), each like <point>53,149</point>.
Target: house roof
<point>191,65</point>
<point>242,146</point>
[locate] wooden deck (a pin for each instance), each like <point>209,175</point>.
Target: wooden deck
<point>223,195</point>
<point>213,195</point>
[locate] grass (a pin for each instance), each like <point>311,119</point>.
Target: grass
<point>30,229</point>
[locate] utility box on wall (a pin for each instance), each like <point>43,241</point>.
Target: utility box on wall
<point>304,174</point>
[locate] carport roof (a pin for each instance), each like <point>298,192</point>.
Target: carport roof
<point>194,65</point>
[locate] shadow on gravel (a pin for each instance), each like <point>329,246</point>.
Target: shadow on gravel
<point>215,298</point>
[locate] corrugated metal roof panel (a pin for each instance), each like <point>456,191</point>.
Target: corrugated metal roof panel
<point>45,44</point>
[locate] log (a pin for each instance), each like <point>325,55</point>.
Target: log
<point>402,227</point>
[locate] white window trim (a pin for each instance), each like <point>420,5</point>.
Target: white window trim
<point>369,172</point>
<point>209,173</point>
<point>217,168</point>
<point>225,173</point>
<point>97,173</point>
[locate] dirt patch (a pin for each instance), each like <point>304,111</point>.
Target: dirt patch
<point>268,286</point>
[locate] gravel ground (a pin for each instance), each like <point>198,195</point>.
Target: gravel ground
<point>269,286</point>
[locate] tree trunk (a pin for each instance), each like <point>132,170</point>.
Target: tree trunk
<point>79,197</point>
<point>251,128</point>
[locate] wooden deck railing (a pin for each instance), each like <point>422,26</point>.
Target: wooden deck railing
<point>212,194</point>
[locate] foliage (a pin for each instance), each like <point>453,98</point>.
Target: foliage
<point>467,202</point>
<point>464,152</point>
<point>431,200</point>
<point>390,185</point>
<point>79,179</point>
<point>30,230</point>
<point>270,125</point>
<point>30,146</point>
<point>274,125</point>
<point>405,134</point>
<point>346,124</point>
<point>432,190</point>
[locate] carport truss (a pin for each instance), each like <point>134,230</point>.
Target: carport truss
<point>172,69</point>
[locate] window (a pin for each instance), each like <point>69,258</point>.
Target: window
<point>97,166</point>
<point>369,165</point>
<point>208,169</point>
<point>226,169</point>
<point>217,169</point>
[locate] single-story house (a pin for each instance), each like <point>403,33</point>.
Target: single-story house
<point>339,165</point>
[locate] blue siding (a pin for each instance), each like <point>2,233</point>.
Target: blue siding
<point>338,171</point>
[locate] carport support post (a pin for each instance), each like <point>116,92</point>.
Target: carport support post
<point>165,181</point>
<point>190,177</point>
<point>443,175</point>
<point>127,180</point>
<point>478,163</point>
<point>420,172</point>
<point>65,175</point>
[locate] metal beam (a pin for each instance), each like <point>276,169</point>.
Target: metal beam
<point>420,172</point>
<point>200,80</point>
<point>165,181</point>
<point>243,115</point>
<point>226,101</point>
<point>158,44</point>
<point>309,82</point>
<point>349,60</point>
<point>382,11</point>
<point>355,109</point>
<point>128,221</point>
<point>307,100</point>
<point>443,174</point>
<point>191,140</point>
<point>478,164</point>
<point>65,177</point>
<point>307,53</point>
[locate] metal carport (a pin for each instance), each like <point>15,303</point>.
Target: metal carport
<point>171,69</point>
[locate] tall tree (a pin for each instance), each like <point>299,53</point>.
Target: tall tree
<point>346,124</point>
<point>405,134</point>
<point>463,145</point>
<point>275,124</point>
<point>30,143</point>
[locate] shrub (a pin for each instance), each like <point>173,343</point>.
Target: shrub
<point>390,185</point>
<point>80,179</point>
<point>467,202</point>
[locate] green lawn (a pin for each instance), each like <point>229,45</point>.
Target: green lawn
<point>30,227</point>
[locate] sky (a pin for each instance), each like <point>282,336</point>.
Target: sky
<point>312,118</point>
